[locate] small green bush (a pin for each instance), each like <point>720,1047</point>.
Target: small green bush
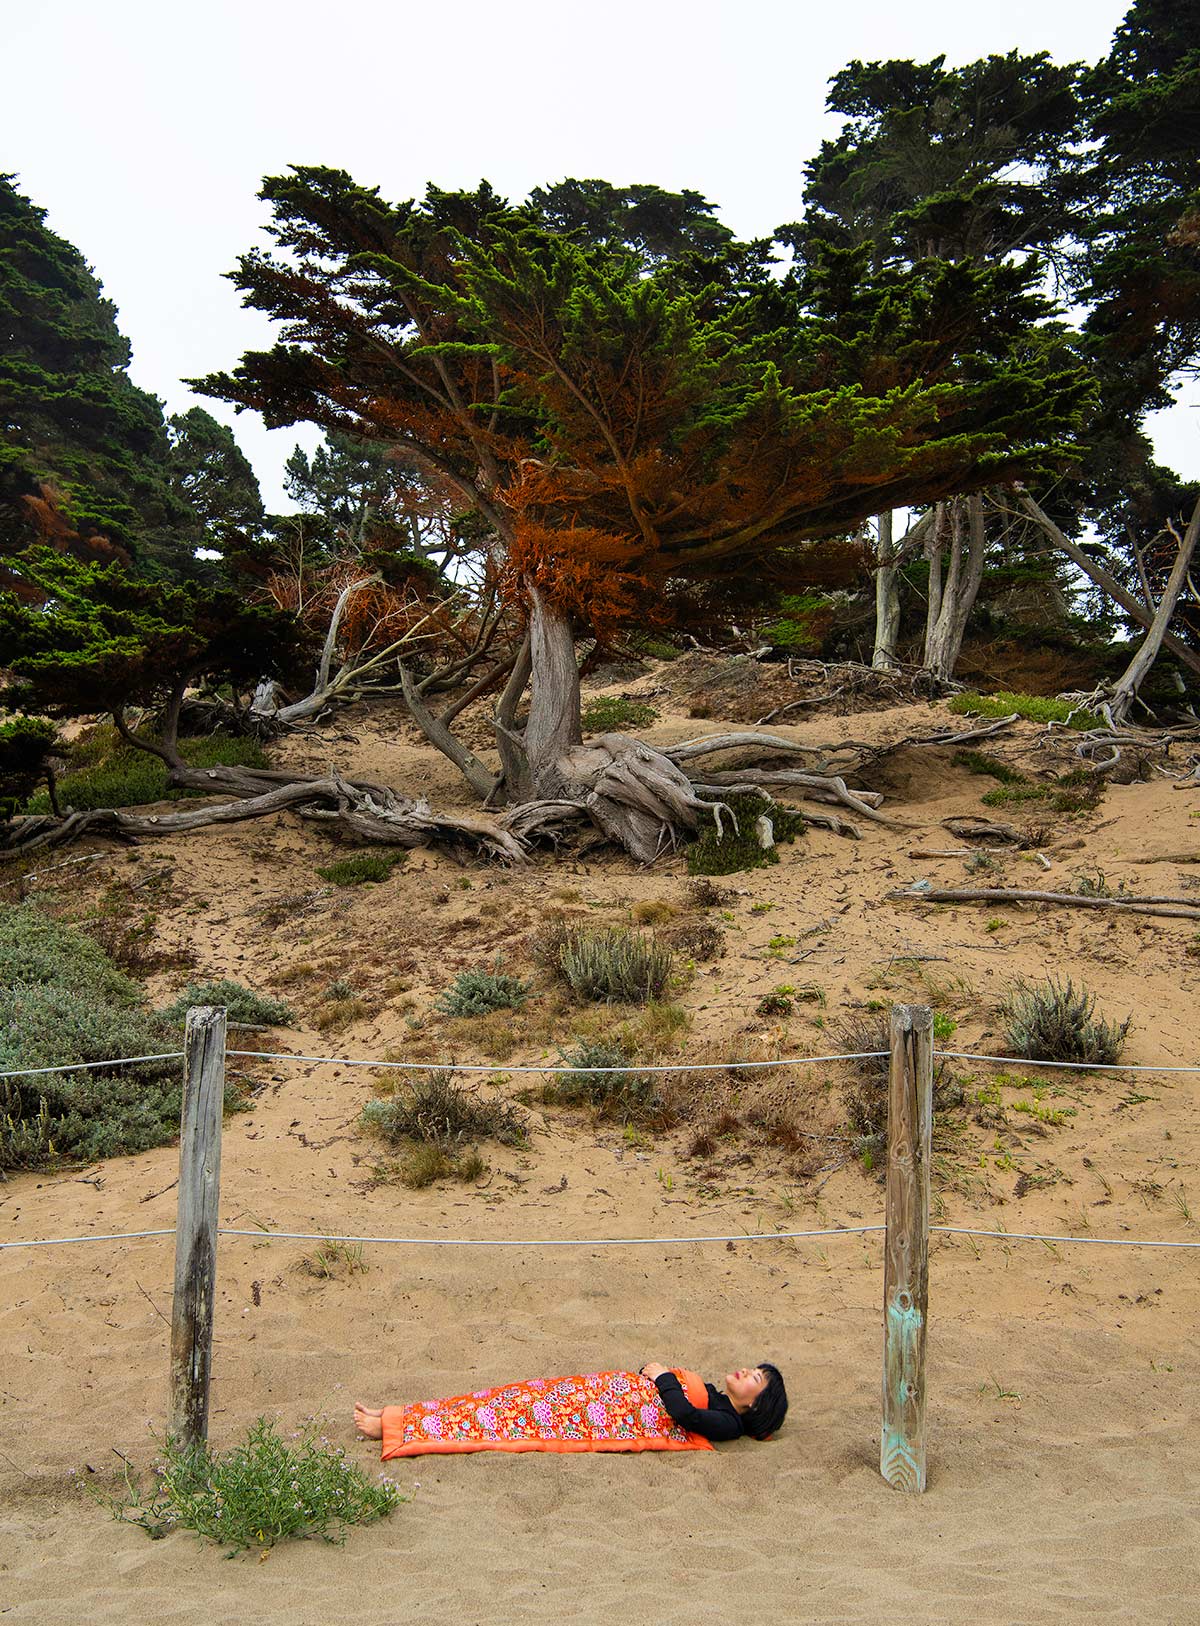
<point>610,713</point>
<point>434,1109</point>
<point>1054,1021</point>
<point>261,1492</point>
<point>615,965</point>
<point>1036,708</point>
<point>476,993</point>
<point>241,1004</point>
<point>360,868</point>
<point>126,777</point>
<point>623,1094</point>
<point>1069,794</point>
<point>737,847</point>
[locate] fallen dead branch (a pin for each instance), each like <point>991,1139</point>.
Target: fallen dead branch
<point>971,828</point>
<point>1178,908</point>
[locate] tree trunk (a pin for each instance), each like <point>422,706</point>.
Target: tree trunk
<point>944,640</point>
<point>554,708</point>
<point>1124,691</point>
<point>933,553</point>
<point>887,598</point>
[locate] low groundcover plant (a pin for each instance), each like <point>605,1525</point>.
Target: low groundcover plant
<point>256,1494</point>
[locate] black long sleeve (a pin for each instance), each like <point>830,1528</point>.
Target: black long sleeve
<point>717,1421</point>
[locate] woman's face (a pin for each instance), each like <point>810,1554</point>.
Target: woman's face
<point>745,1385</point>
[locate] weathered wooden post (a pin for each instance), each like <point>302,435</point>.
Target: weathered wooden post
<point>196,1225</point>
<point>906,1248</point>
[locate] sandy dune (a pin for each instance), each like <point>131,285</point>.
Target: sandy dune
<point>1063,1419</point>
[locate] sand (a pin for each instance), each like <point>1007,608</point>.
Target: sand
<point>1062,1418</point>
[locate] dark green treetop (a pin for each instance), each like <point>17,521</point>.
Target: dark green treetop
<point>83,451</point>
<point>102,639</point>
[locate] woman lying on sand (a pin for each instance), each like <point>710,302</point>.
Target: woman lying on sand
<point>656,1409</point>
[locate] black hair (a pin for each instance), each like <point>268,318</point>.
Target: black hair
<point>766,1415</point>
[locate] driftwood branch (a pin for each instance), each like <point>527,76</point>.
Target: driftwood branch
<point>1178,908</point>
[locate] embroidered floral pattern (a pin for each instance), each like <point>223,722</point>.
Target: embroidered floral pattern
<point>596,1411</point>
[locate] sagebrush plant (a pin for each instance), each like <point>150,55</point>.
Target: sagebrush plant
<point>1055,1021</point>
<point>600,1079</point>
<point>63,1001</point>
<point>263,1491</point>
<point>615,965</point>
<point>475,993</point>
<point>611,713</point>
<point>434,1108</point>
<point>360,868</point>
<point>241,1004</point>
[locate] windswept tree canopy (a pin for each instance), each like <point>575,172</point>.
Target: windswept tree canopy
<point>624,425</point>
<point>102,639</point>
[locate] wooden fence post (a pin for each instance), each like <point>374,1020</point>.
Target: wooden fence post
<point>196,1225</point>
<point>906,1249</point>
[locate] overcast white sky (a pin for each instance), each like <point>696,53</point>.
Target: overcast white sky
<point>144,127</point>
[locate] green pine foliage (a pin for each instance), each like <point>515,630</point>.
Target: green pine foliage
<point>76,432</point>
<point>101,639</point>
<point>26,746</point>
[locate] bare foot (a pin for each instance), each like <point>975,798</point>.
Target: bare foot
<point>368,1420</point>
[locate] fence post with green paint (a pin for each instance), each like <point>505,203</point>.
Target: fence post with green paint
<point>906,1247</point>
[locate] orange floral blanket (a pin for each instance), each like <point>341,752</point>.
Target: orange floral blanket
<point>600,1411</point>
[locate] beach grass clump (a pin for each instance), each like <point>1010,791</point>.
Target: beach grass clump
<point>425,1165</point>
<point>610,714</point>
<point>614,965</point>
<point>1055,1021</point>
<point>360,868</point>
<point>1035,708</point>
<point>978,762</point>
<point>434,1109</point>
<point>63,1001</point>
<point>241,1004</point>
<point>477,993</point>
<point>263,1491</point>
<point>736,844</point>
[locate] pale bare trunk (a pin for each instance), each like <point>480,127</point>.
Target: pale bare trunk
<point>1124,691</point>
<point>933,553</point>
<point>554,710</point>
<point>943,643</point>
<point>1108,583</point>
<point>887,598</point>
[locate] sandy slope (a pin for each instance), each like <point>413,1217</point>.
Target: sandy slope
<point>1063,1418</point>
